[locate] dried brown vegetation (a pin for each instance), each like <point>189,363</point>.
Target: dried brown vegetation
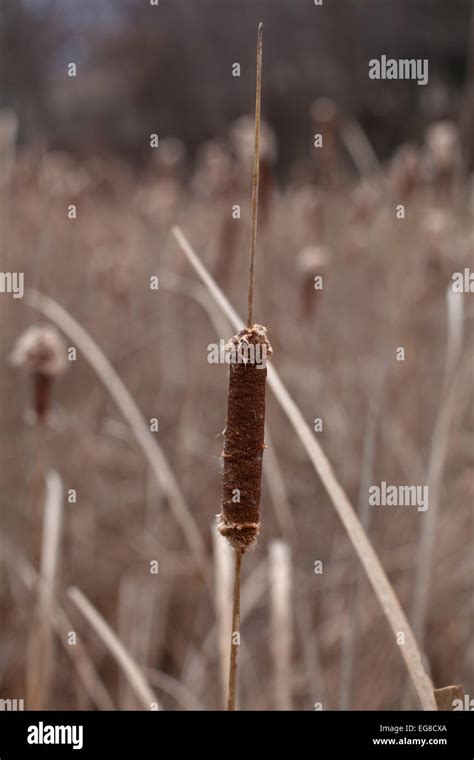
<point>385,281</point>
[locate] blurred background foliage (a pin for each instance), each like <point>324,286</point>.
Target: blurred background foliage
<point>167,69</point>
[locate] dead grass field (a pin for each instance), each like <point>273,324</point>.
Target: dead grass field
<point>385,284</point>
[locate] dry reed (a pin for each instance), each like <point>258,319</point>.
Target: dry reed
<point>40,659</point>
<point>133,673</point>
<point>62,625</point>
<point>437,459</point>
<point>280,572</point>
<point>222,601</point>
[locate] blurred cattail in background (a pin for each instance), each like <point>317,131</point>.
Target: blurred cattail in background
<point>214,172</point>
<point>41,352</point>
<point>405,175</point>
<point>159,199</point>
<point>61,175</point>
<point>312,262</point>
<point>325,117</point>
<point>366,200</point>
<point>438,230</point>
<point>443,155</point>
<point>170,159</point>
<point>309,212</point>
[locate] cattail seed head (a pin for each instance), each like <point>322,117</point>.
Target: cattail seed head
<point>244,441</point>
<point>442,147</point>
<point>214,174</point>
<point>170,160</point>
<point>312,261</point>
<point>41,351</point>
<point>405,174</point>
<point>242,136</point>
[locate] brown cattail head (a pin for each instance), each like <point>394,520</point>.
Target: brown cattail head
<point>325,117</point>
<point>170,160</point>
<point>61,175</point>
<point>405,174</point>
<point>312,262</point>
<point>41,351</point>
<point>244,441</point>
<point>443,151</point>
<point>214,174</point>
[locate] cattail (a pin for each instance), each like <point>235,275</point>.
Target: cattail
<point>309,209</point>
<point>312,262</point>
<point>244,443</point>
<point>365,202</point>
<point>214,174</point>
<point>170,160</point>
<point>325,117</point>
<point>244,437</point>
<point>442,145</point>
<point>159,202</point>
<point>41,351</point>
<point>437,232</point>
<point>60,175</point>
<point>405,175</point>
<point>443,163</point>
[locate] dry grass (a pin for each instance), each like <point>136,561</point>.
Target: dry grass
<point>281,595</point>
<point>41,655</point>
<point>133,673</point>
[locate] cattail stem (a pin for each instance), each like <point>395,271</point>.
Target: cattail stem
<point>235,635</point>
<point>42,395</point>
<point>255,178</point>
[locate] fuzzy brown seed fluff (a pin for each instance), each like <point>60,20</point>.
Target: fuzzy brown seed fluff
<point>244,442</point>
